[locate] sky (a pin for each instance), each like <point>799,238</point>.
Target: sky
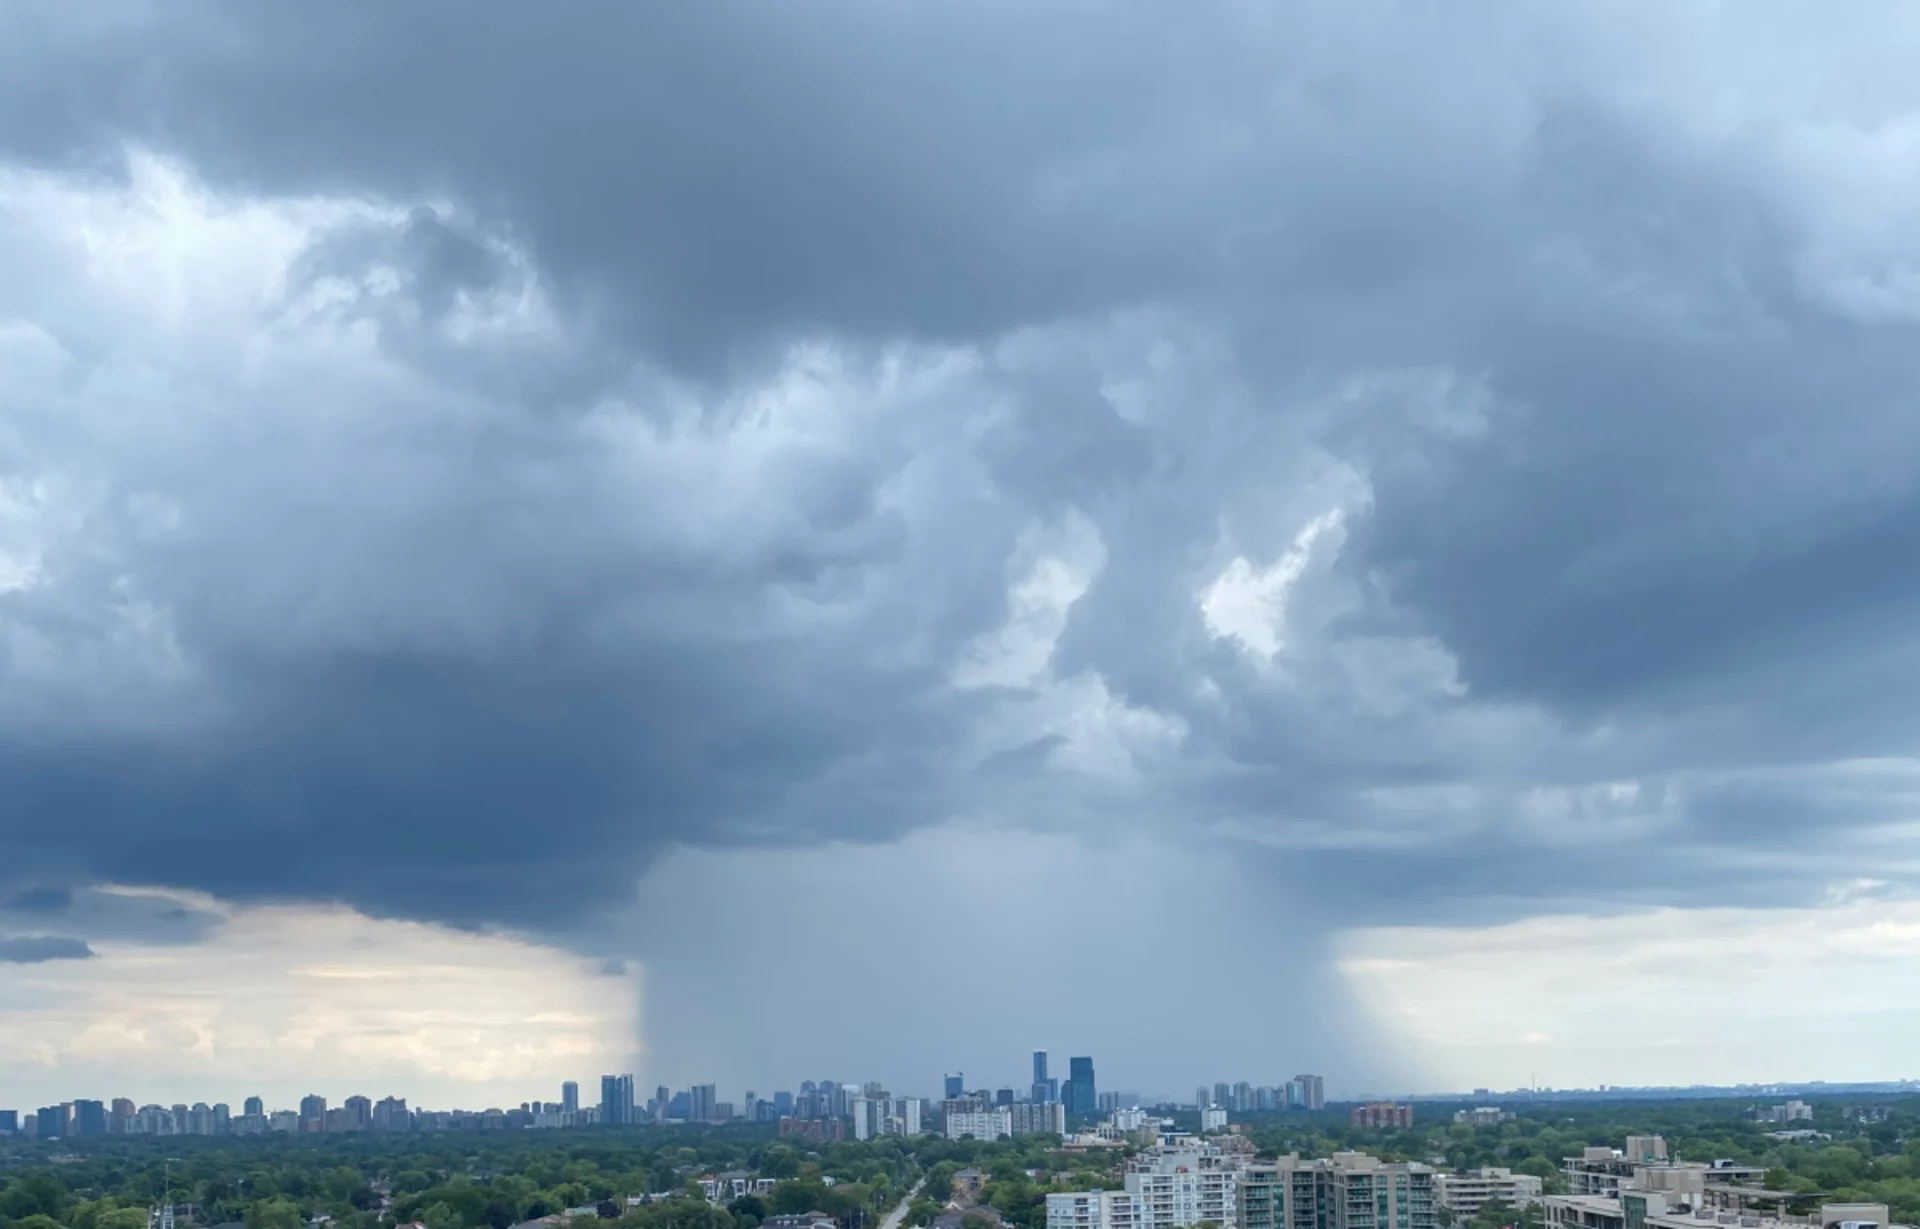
<point>749,543</point>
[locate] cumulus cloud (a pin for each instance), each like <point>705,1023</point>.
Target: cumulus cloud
<point>451,459</point>
<point>284,1000</point>
<point>1569,1001</point>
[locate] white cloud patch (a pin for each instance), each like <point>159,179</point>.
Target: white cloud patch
<point>1249,603</point>
<point>1054,565</point>
<point>1672,995</point>
<point>285,999</point>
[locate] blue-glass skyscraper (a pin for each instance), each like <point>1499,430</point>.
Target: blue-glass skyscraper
<point>1044,1089</point>
<point>1081,1097</point>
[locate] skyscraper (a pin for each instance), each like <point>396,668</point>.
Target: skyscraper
<point>89,1118</point>
<point>616,1100</point>
<point>1044,1089</point>
<point>313,1113</point>
<point>1313,1092</point>
<point>701,1098</point>
<point>956,1085</point>
<point>1081,1097</point>
<point>569,1097</point>
<point>254,1106</point>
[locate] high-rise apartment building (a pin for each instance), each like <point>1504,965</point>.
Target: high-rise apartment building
<point>254,1106</point>
<point>1465,1194</point>
<point>1350,1190</point>
<point>313,1113</point>
<point>1036,1118</point>
<point>1165,1188</point>
<point>1183,1184</point>
<point>89,1118</point>
<point>1081,1097</point>
<point>616,1100</point>
<point>1380,1115</point>
<point>570,1098</point>
<point>1313,1092</point>
<point>701,1100</point>
<point>985,1124</point>
<point>956,1085</point>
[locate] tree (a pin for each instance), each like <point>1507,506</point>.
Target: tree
<point>275,1214</point>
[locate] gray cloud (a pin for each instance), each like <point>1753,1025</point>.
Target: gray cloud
<point>730,427</point>
<point>38,949</point>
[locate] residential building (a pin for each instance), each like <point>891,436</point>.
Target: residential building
<point>1166,1187</point>
<point>956,1085</point>
<point>1646,1149</point>
<point>1483,1116</point>
<point>1359,1191</point>
<point>903,1116</point>
<point>1792,1111</point>
<point>1213,1118</point>
<point>313,1112</point>
<point>701,1102</point>
<point>254,1105</point>
<point>1036,1118</point>
<point>1380,1115</point>
<point>818,1130</point>
<point>616,1100</point>
<point>1700,1196</point>
<point>53,1121</point>
<point>860,1110</point>
<point>89,1118</point>
<point>980,1124</point>
<point>1312,1092</point>
<point>1466,1193</point>
<point>1644,1165</point>
<point>569,1097</point>
<point>120,1116</point>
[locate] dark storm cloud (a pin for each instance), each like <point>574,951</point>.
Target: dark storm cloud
<point>1620,480</point>
<point>39,949</point>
